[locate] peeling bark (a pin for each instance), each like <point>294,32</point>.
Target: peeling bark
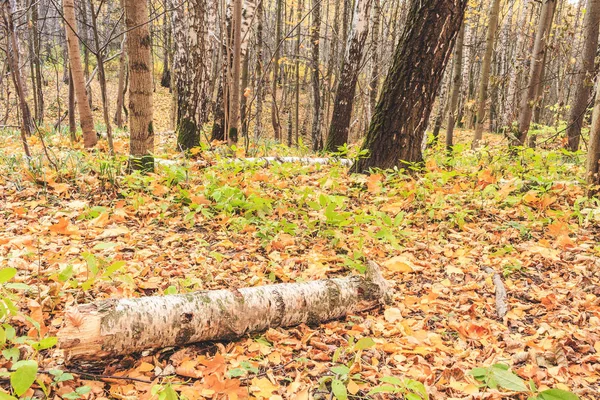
<point>116,327</point>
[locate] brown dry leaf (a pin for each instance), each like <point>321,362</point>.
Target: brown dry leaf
<point>374,183</point>
<point>262,388</point>
<point>63,227</point>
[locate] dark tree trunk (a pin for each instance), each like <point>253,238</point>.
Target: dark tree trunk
<point>409,91</point>
<point>585,79</point>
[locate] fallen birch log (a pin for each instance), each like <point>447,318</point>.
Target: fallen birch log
<point>275,160</point>
<point>116,327</point>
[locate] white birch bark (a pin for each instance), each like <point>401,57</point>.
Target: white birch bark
<point>114,327</point>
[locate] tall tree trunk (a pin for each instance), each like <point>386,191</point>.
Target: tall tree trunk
<point>484,79</point>
<point>72,123</point>
<point>535,73</point>
<point>344,97</point>
<point>585,78</point>
<point>409,91</point>
<point>317,137</point>
<point>259,69</point>
<point>165,80</point>
<point>278,36</point>
<point>86,120</point>
<point>234,106</point>
<point>191,66</point>
<point>121,85</point>
<point>593,157</point>
<point>455,91</point>
<point>102,77</point>
<point>13,58</point>
<point>375,34</point>
<point>512,96</point>
<point>141,131</point>
<point>36,62</point>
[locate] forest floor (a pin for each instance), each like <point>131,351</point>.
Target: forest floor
<point>90,232</point>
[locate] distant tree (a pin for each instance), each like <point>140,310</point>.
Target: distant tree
<point>411,86</point>
<point>344,97</point>
<point>13,56</point>
<point>486,64</point>
<point>593,157</point>
<point>141,130</point>
<point>535,72</point>
<point>455,90</point>
<point>585,79</point>
<point>317,137</point>
<point>86,119</point>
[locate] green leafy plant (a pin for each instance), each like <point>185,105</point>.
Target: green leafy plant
<point>499,376</point>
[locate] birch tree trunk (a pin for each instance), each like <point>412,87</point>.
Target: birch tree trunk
<point>121,86</point>
<point>317,137</point>
<point>585,78</point>
<point>512,95</point>
<point>234,107</point>
<point>141,131</point>
<point>191,69</point>
<point>593,157</point>
<point>535,73</point>
<point>455,91</point>
<point>344,97</point>
<point>484,79</point>
<point>409,91</point>
<point>86,120</point>
<point>115,327</point>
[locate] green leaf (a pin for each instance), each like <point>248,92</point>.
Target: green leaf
<point>6,274</point>
<point>11,354</point>
<point>45,343</point>
<point>6,396</point>
<point>114,267</point>
<point>24,376</point>
<point>339,389</point>
<point>509,380</point>
<point>105,246</point>
<point>340,370</point>
<point>479,373</point>
<point>236,372</point>
<point>392,380</point>
<point>66,273</point>
<point>383,389</point>
<point>364,343</point>
<point>557,394</point>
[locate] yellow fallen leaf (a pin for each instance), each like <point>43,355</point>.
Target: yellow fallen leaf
<point>352,387</point>
<point>392,314</point>
<point>262,387</point>
<point>399,264</point>
<point>450,269</point>
<point>145,367</point>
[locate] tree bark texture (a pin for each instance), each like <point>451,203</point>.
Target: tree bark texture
<point>116,327</point>
<point>191,67</point>
<point>86,119</point>
<point>593,157</point>
<point>484,79</point>
<point>141,131</point>
<point>585,79</point>
<point>13,57</point>
<point>455,91</point>
<point>344,97</point>
<point>410,88</point>
<point>317,137</point>
<point>535,72</point>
